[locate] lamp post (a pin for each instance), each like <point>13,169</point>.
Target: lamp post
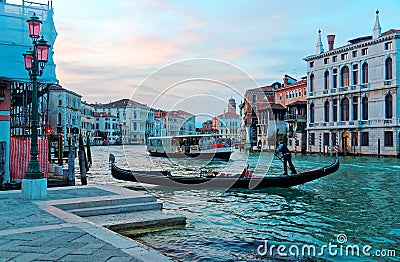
<point>34,186</point>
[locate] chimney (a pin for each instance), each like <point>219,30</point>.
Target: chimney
<point>285,80</point>
<point>331,41</point>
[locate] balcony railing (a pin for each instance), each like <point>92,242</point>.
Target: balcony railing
<point>343,89</point>
<point>333,90</point>
<point>294,117</point>
<point>364,86</point>
<point>363,122</point>
<point>388,121</point>
<point>325,91</point>
<point>387,82</point>
<point>353,88</point>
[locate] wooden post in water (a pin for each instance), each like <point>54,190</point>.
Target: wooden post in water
<point>71,166</point>
<point>83,164</point>
<point>82,168</point>
<point>379,147</point>
<point>89,152</point>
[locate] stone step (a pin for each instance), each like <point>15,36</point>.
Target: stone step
<point>111,201</point>
<point>131,224</point>
<point>105,210</point>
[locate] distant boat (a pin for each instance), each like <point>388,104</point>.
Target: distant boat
<point>205,147</point>
<point>219,180</point>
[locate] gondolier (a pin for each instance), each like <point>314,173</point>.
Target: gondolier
<point>287,158</point>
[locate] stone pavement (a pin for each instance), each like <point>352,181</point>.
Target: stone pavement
<point>39,231</point>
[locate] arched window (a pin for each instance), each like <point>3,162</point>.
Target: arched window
<point>388,68</point>
<point>59,119</point>
<point>334,109</point>
<point>365,73</point>
<point>355,74</point>
<point>335,81</point>
<point>355,108</point>
<point>312,113</point>
<point>326,111</point>
<point>388,106</point>
<point>364,112</point>
<point>326,80</point>
<point>312,83</point>
<point>344,109</point>
<point>345,76</point>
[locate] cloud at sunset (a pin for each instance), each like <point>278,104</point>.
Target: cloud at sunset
<point>120,44</point>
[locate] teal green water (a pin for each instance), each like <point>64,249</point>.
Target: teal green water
<point>357,206</point>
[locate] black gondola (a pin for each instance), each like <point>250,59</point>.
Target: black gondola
<point>213,180</point>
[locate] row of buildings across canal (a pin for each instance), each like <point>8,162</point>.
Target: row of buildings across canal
<point>349,98</point>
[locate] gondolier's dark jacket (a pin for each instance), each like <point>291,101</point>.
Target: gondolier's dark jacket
<point>284,149</point>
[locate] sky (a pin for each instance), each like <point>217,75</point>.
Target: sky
<point>195,55</point>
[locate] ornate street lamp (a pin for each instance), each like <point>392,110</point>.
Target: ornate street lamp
<point>35,186</point>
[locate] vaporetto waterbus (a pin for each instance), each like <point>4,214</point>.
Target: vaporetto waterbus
<point>202,146</point>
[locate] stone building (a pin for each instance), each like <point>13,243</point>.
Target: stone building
<point>65,117</point>
<point>293,96</point>
<point>228,123</point>
<point>107,126</point>
<point>88,121</point>
<point>176,122</point>
<point>136,119</point>
<point>353,95</point>
<point>262,119</point>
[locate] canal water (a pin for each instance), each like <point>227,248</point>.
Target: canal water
<point>351,215</point>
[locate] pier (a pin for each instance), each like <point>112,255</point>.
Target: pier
<point>76,223</point>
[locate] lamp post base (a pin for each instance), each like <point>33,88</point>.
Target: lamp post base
<point>34,189</point>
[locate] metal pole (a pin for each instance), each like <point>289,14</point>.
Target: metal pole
<point>34,171</point>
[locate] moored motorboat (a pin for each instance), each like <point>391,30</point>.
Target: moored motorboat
<point>219,180</point>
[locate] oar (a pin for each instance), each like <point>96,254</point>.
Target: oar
<point>280,158</point>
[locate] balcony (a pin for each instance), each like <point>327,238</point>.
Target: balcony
<point>387,82</point>
<point>333,90</point>
<point>364,86</point>
<point>325,91</point>
<point>353,88</point>
<point>295,117</point>
<point>388,121</point>
<point>343,89</point>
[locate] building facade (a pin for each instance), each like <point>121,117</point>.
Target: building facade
<point>65,117</point>
<point>136,119</point>
<point>88,121</point>
<point>228,124</point>
<point>15,83</point>
<point>353,95</point>
<point>262,119</point>
<point>107,127</point>
<point>293,96</point>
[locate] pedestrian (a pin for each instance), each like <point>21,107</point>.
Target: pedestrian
<point>287,158</point>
